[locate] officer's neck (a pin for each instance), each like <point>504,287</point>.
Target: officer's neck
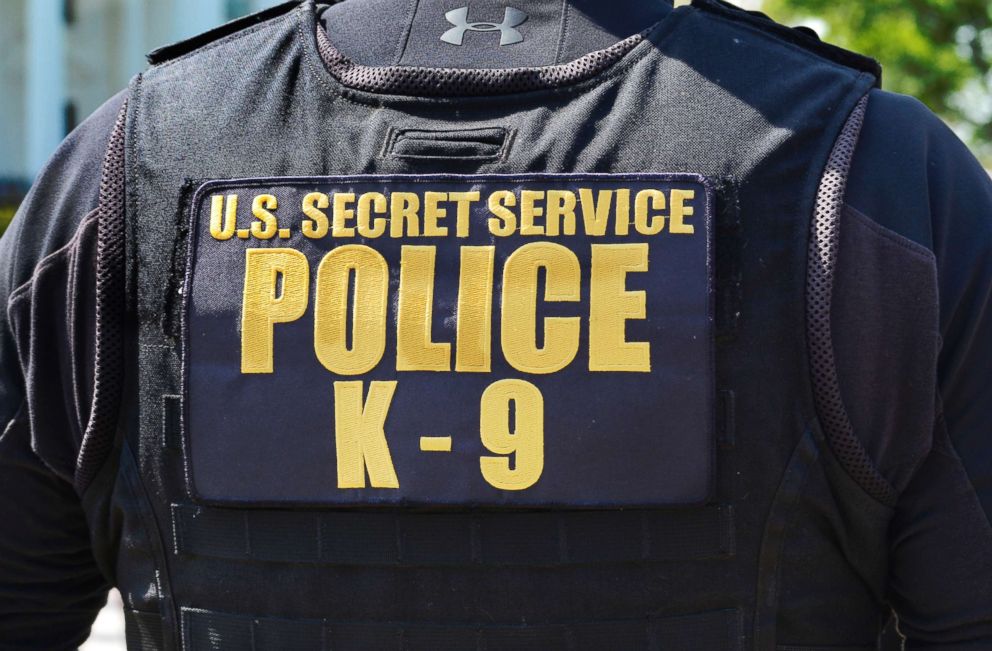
<point>483,33</point>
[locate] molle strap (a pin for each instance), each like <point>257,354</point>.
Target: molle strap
<point>726,418</point>
<point>729,246</point>
<point>411,539</point>
<point>714,631</point>
<point>171,422</point>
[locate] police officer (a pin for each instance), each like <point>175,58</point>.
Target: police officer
<point>495,325</point>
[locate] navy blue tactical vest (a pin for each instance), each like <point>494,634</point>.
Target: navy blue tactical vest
<point>538,358</point>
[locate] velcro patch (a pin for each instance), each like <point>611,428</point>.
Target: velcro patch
<point>519,341</point>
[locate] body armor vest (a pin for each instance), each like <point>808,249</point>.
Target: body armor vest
<point>748,518</point>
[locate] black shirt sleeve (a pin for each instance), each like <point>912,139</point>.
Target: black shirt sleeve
<point>50,586</point>
<point>917,182</point>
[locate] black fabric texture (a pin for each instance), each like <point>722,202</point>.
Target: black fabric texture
<point>838,528</point>
<point>590,25</point>
<point>768,581</point>
<point>50,587</point>
<point>801,36</point>
<point>29,239</point>
<point>407,33</point>
<point>883,282</point>
<point>940,561</point>
<point>921,208</point>
<point>180,48</point>
<point>375,34</point>
<point>454,82</point>
<point>943,202</point>
<point>40,312</point>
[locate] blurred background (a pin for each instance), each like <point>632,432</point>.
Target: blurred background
<point>63,58</point>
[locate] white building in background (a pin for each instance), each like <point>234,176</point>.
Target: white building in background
<point>61,59</point>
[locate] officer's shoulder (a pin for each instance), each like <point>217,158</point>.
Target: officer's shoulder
<point>905,121</point>
<point>910,166</point>
<point>802,38</point>
<point>227,30</point>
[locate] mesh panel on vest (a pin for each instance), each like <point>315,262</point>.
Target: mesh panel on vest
<point>823,247</point>
<point>453,82</point>
<point>714,631</point>
<point>533,539</point>
<point>109,363</point>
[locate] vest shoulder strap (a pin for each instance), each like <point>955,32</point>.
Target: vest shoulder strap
<point>803,37</point>
<point>180,48</point>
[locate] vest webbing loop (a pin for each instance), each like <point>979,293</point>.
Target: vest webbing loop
<point>143,631</point>
<point>205,630</point>
<point>530,539</point>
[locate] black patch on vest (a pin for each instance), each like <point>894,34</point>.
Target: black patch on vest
<point>463,361</point>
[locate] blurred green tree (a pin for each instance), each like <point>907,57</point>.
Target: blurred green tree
<point>6,214</point>
<point>937,50</point>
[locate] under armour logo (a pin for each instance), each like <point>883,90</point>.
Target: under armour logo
<point>508,34</point>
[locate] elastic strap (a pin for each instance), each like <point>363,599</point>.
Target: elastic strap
<point>205,630</point>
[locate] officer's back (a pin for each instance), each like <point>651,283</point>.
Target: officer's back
<point>503,326</point>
